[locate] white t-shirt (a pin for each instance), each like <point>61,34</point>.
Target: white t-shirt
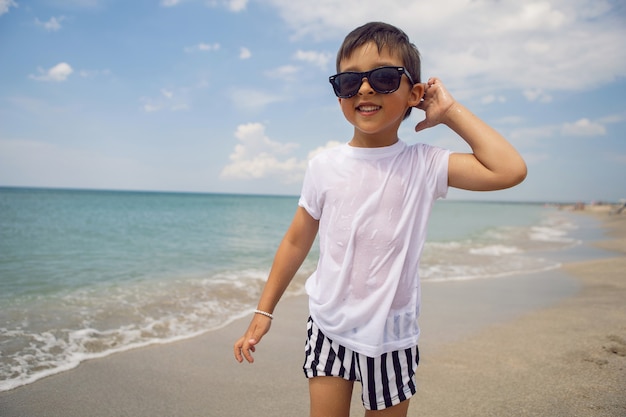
<point>373,206</point>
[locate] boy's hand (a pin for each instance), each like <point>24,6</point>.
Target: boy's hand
<point>436,103</point>
<point>259,326</point>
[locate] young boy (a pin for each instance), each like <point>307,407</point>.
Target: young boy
<point>370,200</point>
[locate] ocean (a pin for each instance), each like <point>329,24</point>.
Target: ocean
<point>85,274</point>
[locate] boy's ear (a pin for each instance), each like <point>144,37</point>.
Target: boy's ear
<point>416,94</point>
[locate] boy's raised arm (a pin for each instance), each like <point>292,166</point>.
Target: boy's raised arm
<point>290,254</point>
<point>494,163</point>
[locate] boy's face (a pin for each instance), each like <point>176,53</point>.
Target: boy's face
<point>376,117</point>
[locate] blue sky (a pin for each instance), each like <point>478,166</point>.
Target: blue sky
<point>233,95</point>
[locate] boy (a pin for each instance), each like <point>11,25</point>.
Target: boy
<point>370,200</point>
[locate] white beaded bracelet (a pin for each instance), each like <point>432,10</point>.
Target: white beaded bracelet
<point>264,313</point>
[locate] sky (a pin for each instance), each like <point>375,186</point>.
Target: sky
<point>232,96</point>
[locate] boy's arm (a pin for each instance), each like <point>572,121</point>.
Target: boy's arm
<point>494,163</point>
<point>290,254</point>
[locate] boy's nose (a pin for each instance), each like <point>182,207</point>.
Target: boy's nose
<point>365,88</point>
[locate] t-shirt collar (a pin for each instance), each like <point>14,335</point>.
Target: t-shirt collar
<point>374,153</point>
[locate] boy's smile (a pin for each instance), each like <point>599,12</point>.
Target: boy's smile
<point>376,117</point>
<point>367,108</point>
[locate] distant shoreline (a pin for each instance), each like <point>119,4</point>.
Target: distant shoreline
<point>562,205</point>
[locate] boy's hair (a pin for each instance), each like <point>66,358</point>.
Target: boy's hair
<point>384,35</point>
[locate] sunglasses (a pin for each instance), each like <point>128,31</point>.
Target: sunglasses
<point>383,80</point>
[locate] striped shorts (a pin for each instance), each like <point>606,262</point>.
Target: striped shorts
<point>387,380</point>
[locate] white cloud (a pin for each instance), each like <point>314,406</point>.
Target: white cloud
<point>232,5</point>
<point>253,100</point>
<point>539,15</point>
<point>51,25</point>
<point>495,45</point>
<point>536,47</point>
<point>149,106</point>
<point>237,5</point>
<point>329,145</point>
<point>510,120</point>
<point>257,156</point>
<point>94,73</point>
<point>5,5</point>
<point>87,4</point>
<point>58,73</point>
<point>491,98</point>
<point>533,135</point>
<point>319,59</point>
<point>284,72</point>
<point>203,47</point>
<point>537,94</point>
<point>535,157</point>
<point>170,3</point>
<point>244,53</point>
<point>172,100</point>
<point>208,47</point>
<point>583,127</point>
<point>612,118</point>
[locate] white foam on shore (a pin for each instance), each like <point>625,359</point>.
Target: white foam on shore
<point>95,323</point>
<point>24,372</point>
<point>495,250</point>
<point>481,276</point>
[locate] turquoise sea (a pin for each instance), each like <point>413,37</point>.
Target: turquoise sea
<point>85,274</point>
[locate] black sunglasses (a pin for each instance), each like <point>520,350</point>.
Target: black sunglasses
<point>383,80</point>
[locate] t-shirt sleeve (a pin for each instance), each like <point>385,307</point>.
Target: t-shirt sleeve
<point>437,172</point>
<point>309,197</point>
<point>442,174</point>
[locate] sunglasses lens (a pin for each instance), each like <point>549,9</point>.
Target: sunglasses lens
<point>347,84</point>
<point>385,80</point>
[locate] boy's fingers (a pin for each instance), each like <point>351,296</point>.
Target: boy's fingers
<point>243,349</point>
<point>249,348</point>
<point>421,126</point>
<point>237,351</point>
<point>245,346</point>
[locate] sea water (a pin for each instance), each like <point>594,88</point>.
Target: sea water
<point>85,274</point>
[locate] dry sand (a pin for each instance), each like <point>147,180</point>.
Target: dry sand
<point>565,360</point>
<point>551,346</point>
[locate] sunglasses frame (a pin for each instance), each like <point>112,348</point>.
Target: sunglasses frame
<point>367,74</point>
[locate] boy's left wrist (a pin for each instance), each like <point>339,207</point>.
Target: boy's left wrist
<point>455,110</point>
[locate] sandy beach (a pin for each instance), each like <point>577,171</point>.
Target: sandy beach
<point>545,344</point>
<point>565,360</point>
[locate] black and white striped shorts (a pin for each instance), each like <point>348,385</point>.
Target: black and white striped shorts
<point>387,380</point>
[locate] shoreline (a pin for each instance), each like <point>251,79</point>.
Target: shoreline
<point>519,354</point>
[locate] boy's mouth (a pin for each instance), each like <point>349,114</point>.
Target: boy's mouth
<point>368,108</point>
